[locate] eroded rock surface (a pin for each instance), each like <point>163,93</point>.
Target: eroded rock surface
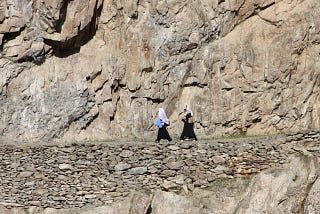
<point>79,70</point>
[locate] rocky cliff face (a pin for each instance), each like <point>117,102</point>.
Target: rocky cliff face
<point>79,70</point>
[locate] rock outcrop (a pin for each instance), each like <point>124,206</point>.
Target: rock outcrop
<point>85,70</point>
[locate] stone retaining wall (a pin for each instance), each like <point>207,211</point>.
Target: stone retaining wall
<point>93,174</point>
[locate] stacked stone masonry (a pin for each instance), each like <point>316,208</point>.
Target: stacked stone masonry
<point>94,174</point>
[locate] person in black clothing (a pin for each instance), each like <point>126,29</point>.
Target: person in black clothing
<point>162,122</point>
<point>188,127</point>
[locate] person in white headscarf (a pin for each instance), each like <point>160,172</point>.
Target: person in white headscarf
<point>163,117</point>
<point>162,122</point>
<point>188,125</point>
<point>188,110</point>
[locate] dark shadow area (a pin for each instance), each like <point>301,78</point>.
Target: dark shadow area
<point>116,86</point>
<point>149,210</point>
<point>63,49</point>
<point>10,36</point>
<point>63,15</point>
<point>37,59</point>
<point>195,84</point>
<point>155,100</point>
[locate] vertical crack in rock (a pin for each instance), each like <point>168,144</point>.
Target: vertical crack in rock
<point>62,15</point>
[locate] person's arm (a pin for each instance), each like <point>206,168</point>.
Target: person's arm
<point>184,119</point>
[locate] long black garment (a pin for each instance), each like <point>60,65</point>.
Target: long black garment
<point>188,129</point>
<point>163,133</point>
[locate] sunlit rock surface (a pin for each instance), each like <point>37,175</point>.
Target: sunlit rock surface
<point>98,70</point>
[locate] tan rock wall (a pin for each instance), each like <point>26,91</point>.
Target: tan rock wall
<point>100,69</point>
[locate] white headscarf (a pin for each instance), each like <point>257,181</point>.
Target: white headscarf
<point>162,115</point>
<point>188,108</point>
